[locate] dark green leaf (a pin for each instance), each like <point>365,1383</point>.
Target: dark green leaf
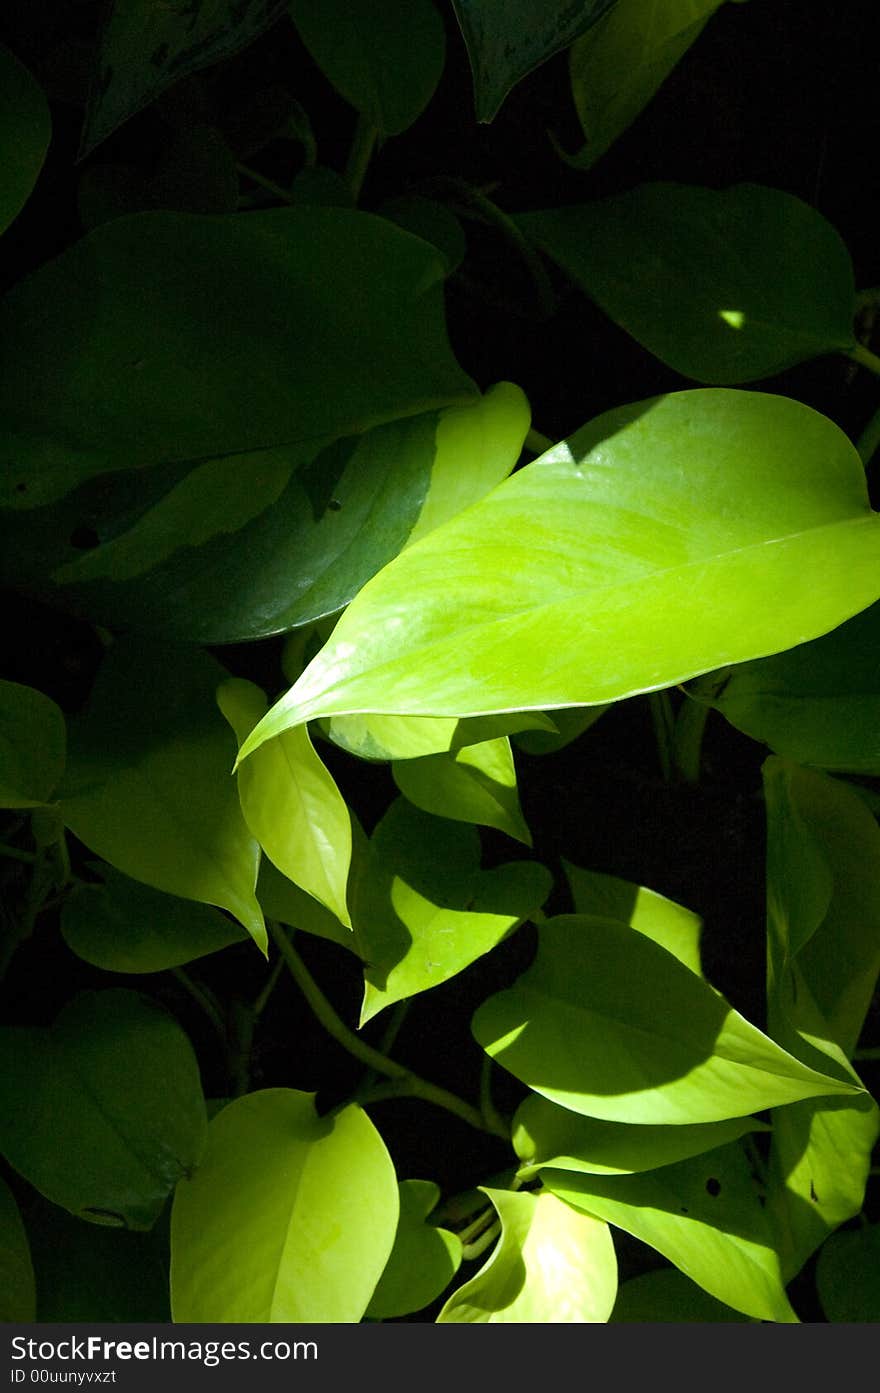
<point>17,1291</point>
<point>33,743</point>
<point>25,132</point>
<point>668,1295</point>
<point>848,1276</point>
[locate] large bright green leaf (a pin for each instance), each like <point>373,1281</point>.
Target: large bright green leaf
<point>102,1111</point>
<point>424,909</point>
<point>551,1264</point>
<point>817,704</point>
<point>171,337</point>
<point>666,1294</point>
<point>145,47</point>
<point>475,784</point>
<point>547,1135</point>
<point>704,1215</point>
<point>423,1261</point>
<point>25,132</point>
<point>291,1217</point>
<point>634,555</point>
<point>17,1291</point>
<point>291,803</point>
<point>724,285</point>
<point>848,1276</point>
<point>823,896</point>
<point>619,64</point>
<point>33,746</point>
<point>121,925</point>
<point>148,787</point>
<point>607,1023</point>
<point>506,39</point>
<point>671,925</point>
<point>384,56</point>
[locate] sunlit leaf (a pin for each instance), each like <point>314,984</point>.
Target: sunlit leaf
<point>424,1258</point>
<point>17,1291</point>
<point>384,56</point>
<point>290,1217</point>
<point>33,745</point>
<point>671,925</point>
<point>121,925</point>
<point>148,786</point>
<point>667,523</point>
<point>551,1263</point>
<point>475,784</point>
<point>704,1215</point>
<point>668,1295</point>
<point>291,803</point>
<point>607,1023</point>
<point>102,1111</point>
<point>415,737</point>
<point>725,285</point>
<point>848,1275</point>
<point>25,132</point>
<point>547,1135</point>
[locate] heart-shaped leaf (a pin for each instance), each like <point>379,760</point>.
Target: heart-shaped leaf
<point>424,1258</point>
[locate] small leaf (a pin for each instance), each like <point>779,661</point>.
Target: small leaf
<point>607,1023</point>
<point>424,1258</point>
<point>671,925</point>
<point>102,1111</point>
<point>415,737</point>
<point>123,926</point>
<point>724,286</point>
<point>476,784</point>
<point>551,1263</point>
<point>291,803</point>
<point>25,132</point>
<point>569,723</point>
<point>848,1276</point>
<point>384,56</point>
<point>17,1291</point>
<point>33,745</point>
<point>704,1215</point>
<point>290,1218</point>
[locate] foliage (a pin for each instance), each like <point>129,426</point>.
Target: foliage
<point>365,832</point>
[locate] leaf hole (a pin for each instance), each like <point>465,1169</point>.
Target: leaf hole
<point>713,1187</point>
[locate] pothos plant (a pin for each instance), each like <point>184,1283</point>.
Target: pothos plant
<point>338,597</point>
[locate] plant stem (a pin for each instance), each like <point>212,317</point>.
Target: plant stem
<point>204,1001</point>
<point>409,1082</point>
<point>365,137</point>
<point>869,440</point>
<point>259,1003</point>
<point>538,443</point>
<point>687,739</point>
<point>268,184</point>
<point>664,725</point>
<point>473,1250</point>
<point>14,854</point>
<point>491,1116</point>
<point>860,354</point>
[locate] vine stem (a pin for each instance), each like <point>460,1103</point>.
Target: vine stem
<point>365,136</point>
<point>268,184</point>
<point>409,1083</point>
<point>203,1000</point>
<point>664,725</point>
<point>862,355</point>
<point>687,738</point>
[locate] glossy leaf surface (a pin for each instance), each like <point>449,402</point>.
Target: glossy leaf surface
<point>290,1217</point>
<point>704,1215</point>
<point>475,784</point>
<point>848,1275</point>
<point>384,56</point>
<point>121,925</point>
<point>551,1263</point>
<point>33,746</point>
<point>423,1261</point>
<point>724,285</point>
<point>25,132</point>
<point>17,1291</point>
<point>607,1023</point>
<point>102,1111</point>
<point>666,523</point>
<point>148,786</point>
<point>671,925</point>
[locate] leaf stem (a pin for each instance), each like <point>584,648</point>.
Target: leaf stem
<point>363,142</point>
<point>862,355</point>
<point>259,1003</point>
<point>473,1250</point>
<point>409,1083</point>
<point>491,1116</point>
<point>538,443</point>
<point>14,854</point>
<point>869,440</point>
<point>268,184</point>
<point>664,725</point>
<point>687,738</point>
<point>199,995</point>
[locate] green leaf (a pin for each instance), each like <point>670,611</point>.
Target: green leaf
<point>823,897</point>
<point>704,1215</point>
<point>667,522</point>
<point>415,737</point>
<point>547,1135</point>
<point>569,725</point>
<point>90,1274</point>
<point>102,1111</point>
<point>148,786</point>
<point>619,64</point>
<point>25,132</point>
<point>146,47</point>
<point>291,803</point>
<point>430,220</point>
<point>848,1276</point>
<point>33,746</point>
<point>136,345</point>
<point>290,1218</point>
<point>607,1023</point>
<point>668,1295</point>
<point>384,56</point>
<point>506,40</point>
<point>17,1291</point>
<point>424,910</point>
<point>123,926</point>
<point>551,1263</point>
<point>475,784</point>
<point>424,1258</point>
<point>724,285</point>
<point>671,925</point>
<point>817,704</point>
